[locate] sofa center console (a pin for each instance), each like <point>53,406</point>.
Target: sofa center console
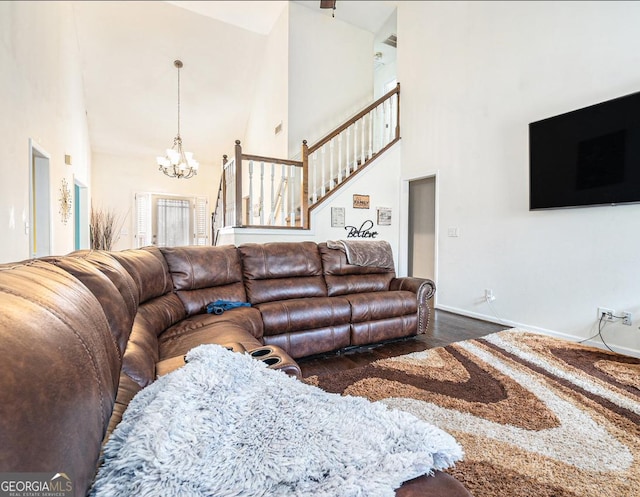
<point>272,355</point>
<point>276,358</point>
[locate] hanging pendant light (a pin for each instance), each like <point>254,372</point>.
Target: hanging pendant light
<point>177,163</point>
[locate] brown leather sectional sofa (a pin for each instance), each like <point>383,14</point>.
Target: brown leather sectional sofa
<point>81,334</point>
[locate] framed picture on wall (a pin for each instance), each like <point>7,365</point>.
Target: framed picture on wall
<point>360,201</point>
<point>384,216</point>
<point>337,217</point>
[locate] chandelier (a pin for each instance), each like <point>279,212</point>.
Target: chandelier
<point>177,163</point>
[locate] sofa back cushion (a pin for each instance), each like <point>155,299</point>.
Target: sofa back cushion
<point>142,353</point>
<point>279,271</point>
<point>110,283</point>
<point>202,275</point>
<point>149,270</point>
<point>60,366</point>
<point>343,278</point>
<point>159,308</point>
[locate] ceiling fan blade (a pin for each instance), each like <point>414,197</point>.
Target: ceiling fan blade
<point>327,4</point>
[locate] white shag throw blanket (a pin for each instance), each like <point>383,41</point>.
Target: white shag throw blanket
<point>225,425</point>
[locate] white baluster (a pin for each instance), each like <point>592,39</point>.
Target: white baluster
<point>228,177</point>
<point>331,173</point>
<point>292,199</point>
<point>273,194</point>
<point>232,190</point>
<point>340,157</point>
<point>313,176</point>
<point>283,196</point>
<point>250,213</point>
<point>355,146</point>
<point>322,168</point>
<point>386,123</point>
<point>362,143</point>
<point>261,200</point>
<point>395,115</point>
<point>370,154</point>
<point>347,152</point>
<point>380,130</point>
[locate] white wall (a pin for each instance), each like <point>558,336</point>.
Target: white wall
<point>330,74</point>
<point>473,75</point>
<point>270,104</point>
<point>117,178</point>
<point>386,70</point>
<point>42,98</point>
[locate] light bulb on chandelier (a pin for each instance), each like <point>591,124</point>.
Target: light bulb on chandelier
<point>177,163</point>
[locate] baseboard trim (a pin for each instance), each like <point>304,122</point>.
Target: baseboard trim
<point>512,324</point>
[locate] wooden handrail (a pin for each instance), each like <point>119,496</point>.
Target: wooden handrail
<point>260,158</point>
<point>359,115</point>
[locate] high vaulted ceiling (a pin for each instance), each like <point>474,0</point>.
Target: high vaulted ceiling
<point>260,16</point>
<point>127,51</point>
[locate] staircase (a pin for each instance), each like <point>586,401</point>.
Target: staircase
<point>267,192</point>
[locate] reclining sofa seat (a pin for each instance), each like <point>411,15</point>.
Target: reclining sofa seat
<point>313,301</point>
<point>378,310</point>
<point>285,282</point>
<point>202,275</point>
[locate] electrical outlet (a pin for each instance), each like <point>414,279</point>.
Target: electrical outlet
<point>488,295</point>
<point>627,318</point>
<point>608,314</point>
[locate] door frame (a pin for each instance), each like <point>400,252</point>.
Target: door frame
<point>403,260</point>
<point>36,151</point>
<point>81,215</point>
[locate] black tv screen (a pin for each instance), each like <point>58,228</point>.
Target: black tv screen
<point>589,156</point>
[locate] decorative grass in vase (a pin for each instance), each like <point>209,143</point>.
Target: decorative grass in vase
<point>104,228</point>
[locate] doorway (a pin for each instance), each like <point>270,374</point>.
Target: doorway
<point>422,228</point>
<point>39,201</point>
<point>81,217</point>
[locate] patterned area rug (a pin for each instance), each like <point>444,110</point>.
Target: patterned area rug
<point>536,416</point>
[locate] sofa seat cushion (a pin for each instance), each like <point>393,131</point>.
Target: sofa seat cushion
<point>220,333</point>
<point>311,342</point>
<point>181,335</point>
<point>384,329</point>
<point>286,316</point>
<point>373,306</point>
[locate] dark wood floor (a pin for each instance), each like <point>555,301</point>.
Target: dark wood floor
<point>444,328</point>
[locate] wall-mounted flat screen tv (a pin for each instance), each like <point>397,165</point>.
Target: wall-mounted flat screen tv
<point>589,156</point>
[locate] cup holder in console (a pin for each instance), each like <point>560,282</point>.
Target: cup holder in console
<point>263,351</point>
<point>272,361</point>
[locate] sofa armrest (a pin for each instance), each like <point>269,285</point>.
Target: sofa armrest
<point>424,290</point>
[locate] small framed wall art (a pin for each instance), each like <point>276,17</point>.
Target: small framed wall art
<point>384,216</point>
<point>360,201</point>
<point>337,217</point>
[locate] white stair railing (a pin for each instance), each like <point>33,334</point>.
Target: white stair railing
<point>364,137</point>
<point>304,183</point>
